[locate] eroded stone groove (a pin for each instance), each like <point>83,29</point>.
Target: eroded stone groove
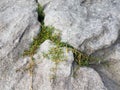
<point>85,24</point>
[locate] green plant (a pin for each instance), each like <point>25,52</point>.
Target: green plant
<point>47,32</point>
<point>56,54</point>
<point>40,38</point>
<point>44,34</point>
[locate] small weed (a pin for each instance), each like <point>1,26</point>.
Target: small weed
<point>44,34</point>
<point>40,38</point>
<point>56,52</point>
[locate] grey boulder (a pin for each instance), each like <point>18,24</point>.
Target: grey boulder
<point>87,79</point>
<point>93,27</point>
<point>18,27</point>
<point>88,25</point>
<point>51,76</point>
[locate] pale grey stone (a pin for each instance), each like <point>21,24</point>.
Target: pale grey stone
<point>110,72</point>
<point>44,2</point>
<point>18,27</point>
<point>85,25</point>
<point>91,26</point>
<point>49,76</point>
<point>87,79</point>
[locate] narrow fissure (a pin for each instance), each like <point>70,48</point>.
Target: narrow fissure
<point>46,32</point>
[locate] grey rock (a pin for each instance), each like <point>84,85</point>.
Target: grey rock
<point>48,76</point>
<point>87,79</point>
<point>82,26</point>
<point>44,2</point>
<point>18,27</point>
<point>93,27</point>
<point>85,25</point>
<point>111,71</point>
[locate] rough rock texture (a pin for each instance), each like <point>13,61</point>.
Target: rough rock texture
<point>18,26</point>
<point>92,26</point>
<point>87,79</point>
<point>111,71</point>
<point>44,2</point>
<point>17,18</point>
<point>48,75</point>
<point>87,24</point>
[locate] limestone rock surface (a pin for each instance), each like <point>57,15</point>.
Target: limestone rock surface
<point>93,27</point>
<point>49,75</point>
<point>88,25</point>
<point>87,79</point>
<point>18,27</point>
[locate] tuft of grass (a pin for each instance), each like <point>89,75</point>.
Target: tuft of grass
<point>56,54</point>
<point>47,32</point>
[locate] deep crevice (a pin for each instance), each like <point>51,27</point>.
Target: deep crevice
<point>41,14</point>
